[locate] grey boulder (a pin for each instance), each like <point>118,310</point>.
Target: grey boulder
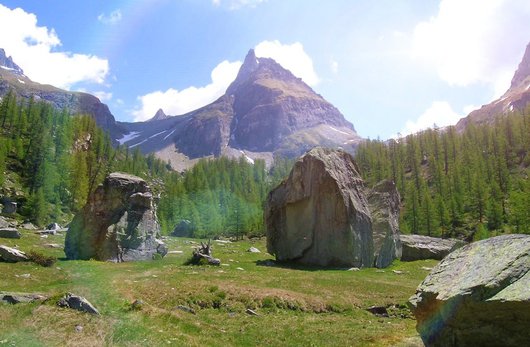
<point>118,223</point>
<point>419,247</point>
<point>77,303</point>
<point>479,295</point>
<point>12,255</point>
<point>321,215</point>
<point>9,233</point>
<point>17,298</point>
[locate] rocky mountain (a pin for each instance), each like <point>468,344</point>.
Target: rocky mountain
<point>516,98</point>
<point>265,111</point>
<point>159,115</point>
<point>12,78</point>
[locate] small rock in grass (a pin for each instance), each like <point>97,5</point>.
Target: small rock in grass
<point>77,303</point>
<point>251,312</point>
<point>426,268</point>
<point>137,304</point>
<point>353,269</point>
<point>379,311</point>
<point>253,250</point>
<point>185,309</point>
<point>240,268</point>
<point>398,272</point>
<point>79,328</point>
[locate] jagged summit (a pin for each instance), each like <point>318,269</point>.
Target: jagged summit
<point>7,63</point>
<point>159,115</point>
<point>522,74</point>
<point>265,111</point>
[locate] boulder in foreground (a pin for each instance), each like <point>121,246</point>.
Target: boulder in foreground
<point>479,295</point>
<point>419,247</point>
<point>118,223</point>
<point>12,255</point>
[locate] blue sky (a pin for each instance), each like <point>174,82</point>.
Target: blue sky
<point>389,66</point>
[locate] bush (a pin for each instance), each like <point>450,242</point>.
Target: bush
<point>41,259</point>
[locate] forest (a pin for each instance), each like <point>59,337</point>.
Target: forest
<point>472,184</point>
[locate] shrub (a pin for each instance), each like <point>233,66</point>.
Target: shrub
<point>41,259</point>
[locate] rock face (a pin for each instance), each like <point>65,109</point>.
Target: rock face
<point>384,204</point>
<point>320,215</point>
<point>418,247</point>
<point>477,296</point>
<point>265,111</point>
<point>9,233</point>
<point>9,207</point>
<point>516,98</point>
<point>118,223</point>
<point>12,255</point>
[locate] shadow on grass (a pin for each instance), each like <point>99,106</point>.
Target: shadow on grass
<point>296,266</point>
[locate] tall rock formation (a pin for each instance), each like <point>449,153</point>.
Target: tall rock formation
<point>516,98</point>
<point>12,78</point>
<point>265,111</point>
<point>321,215</point>
<point>118,223</point>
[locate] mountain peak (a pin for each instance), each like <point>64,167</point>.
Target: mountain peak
<point>7,63</point>
<point>159,115</point>
<point>523,71</point>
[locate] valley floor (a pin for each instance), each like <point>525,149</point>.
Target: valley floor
<point>295,306</point>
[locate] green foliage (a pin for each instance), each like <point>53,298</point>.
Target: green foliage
<point>220,196</point>
<point>60,158</point>
<point>453,184</point>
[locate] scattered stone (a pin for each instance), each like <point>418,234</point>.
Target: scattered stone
<point>28,226</point>
<point>379,311</point>
<point>44,236</point>
<point>223,241</point>
<point>398,272</point>
<point>12,255</point>
<point>10,207</point>
<point>251,312</point>
<point>419,247</point>
<point>266,262</point>
<point>426,268</point>
<point>23,276</point>
<point>4,223</point>
<point>78,328</point>
<point>52,245</point>
<point>253,250</point>
<point>77,303</point>
<point>175,252</point>
<point>118,223</point>
<point>9,233</point>
<point>478,295</point>
<point>185,309</point>
<point>16,298</point>
<point>380,271</point>
<point>354,269</point>
<point>321,215</point>
<point>225,264</point>
<point>137,304</point>
<point>240,269</point>
<point>53,227</point>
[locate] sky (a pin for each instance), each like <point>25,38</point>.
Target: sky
<point>390,66</point>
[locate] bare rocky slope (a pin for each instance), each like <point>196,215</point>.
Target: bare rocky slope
<point>265,111</point>
<point>516,98</point>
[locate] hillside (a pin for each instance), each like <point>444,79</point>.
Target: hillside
<point>266,111</point>
<point>12,78</point>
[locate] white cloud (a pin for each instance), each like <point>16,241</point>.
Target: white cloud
<point>292,57</point>
<point>334,66</point>
<point>237,4</point>
<point>34,49</point>
<point>102,95</point>
<point>475,41</point>
<point>439,113</point>
<point>111,18</point>
<point>175,102</point>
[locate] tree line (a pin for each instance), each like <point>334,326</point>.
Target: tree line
<point>472,184</point>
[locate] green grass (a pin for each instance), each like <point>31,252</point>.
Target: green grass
<point>296,306</point>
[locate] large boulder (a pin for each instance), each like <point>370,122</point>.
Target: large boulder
<point>118,223</point>
<point>321,216</point>
<point>12,255</point>
<point>419,247</point>
<point>479,295</point>
<point>10,233</point>
<point>10,207</point>
<point>183,229</point>
<point>384,203</point>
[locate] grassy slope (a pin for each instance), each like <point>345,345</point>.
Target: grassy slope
<point>296,306</point>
